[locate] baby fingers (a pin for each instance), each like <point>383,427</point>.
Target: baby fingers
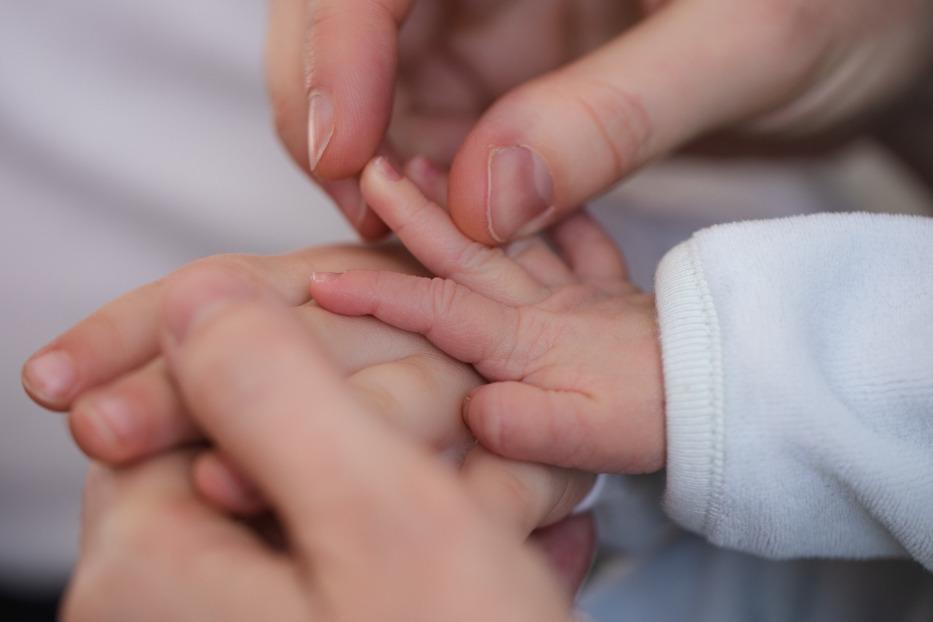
<point>468,326</point>
<point>589,250</point>
<point>564,428</point>
<point>429,234</point>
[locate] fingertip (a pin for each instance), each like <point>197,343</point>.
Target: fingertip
<point>50,378</point>
<point>348,118</point>
<point>107,428</point>
<point>93,437</point>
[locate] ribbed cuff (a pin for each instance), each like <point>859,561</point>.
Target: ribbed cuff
<point>692,360</point>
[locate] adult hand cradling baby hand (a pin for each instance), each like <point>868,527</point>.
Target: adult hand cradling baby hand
<point>376,528</point>
<point>570,345</point>
<point>540,105</point>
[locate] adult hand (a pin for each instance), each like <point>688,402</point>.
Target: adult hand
<point>389,534</point>
<point>109,373</point>
<point>542,104</point>
<point>108,370</point>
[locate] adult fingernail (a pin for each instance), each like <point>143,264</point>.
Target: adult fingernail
<point>320,126</point>
<point>520,192</point>
<point>50,376</point>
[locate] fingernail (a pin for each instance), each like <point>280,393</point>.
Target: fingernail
<point>320,126</point>
<point>50,376</point>
<point>520,192</point>
<point>386,169</point>
<point>324,277</point>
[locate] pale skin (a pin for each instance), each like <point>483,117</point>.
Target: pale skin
<point>117,369</point>
<point>540,105</point>
<point>569,345</point>
<point>337,476</point>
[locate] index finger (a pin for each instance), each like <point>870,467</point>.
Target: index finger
<point>331,73</point>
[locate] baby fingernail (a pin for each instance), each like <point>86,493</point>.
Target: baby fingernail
<point>320,126</point>
<point>386,169</point>
<point>324,277</point>
<point>50,376</point>
<point>520,191</point>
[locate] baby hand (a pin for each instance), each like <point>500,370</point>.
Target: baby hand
<point>569,344</point>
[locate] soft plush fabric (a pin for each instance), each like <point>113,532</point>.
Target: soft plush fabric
<point>798,366</point>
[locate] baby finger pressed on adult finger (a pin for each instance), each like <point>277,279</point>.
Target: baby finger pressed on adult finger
<point>575,368</point>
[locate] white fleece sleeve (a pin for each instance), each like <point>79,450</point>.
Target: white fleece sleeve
<point>798,369</point>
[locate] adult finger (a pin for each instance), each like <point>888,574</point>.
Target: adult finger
<point>135,416</point>
<point>336,61</point>
<point>141,414</point>
<point>123,334</point>
<point>198,563</point>
<point>262,388</point>
<point>380,515</point>
<point>589,250</point>
<point>420,395</point>
<point>523,495</point>
<point>552,144</point>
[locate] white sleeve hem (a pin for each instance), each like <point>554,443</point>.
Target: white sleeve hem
<point>588,502</point>
<point>693,379</point>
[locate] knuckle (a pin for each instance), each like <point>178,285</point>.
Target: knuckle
<point>782,25</point>
<point>618,120</point>
<point>444,297</point>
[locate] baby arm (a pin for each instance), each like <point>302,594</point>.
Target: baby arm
<point>797,367</point>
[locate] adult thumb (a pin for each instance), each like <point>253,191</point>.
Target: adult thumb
<point>552,144</point>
